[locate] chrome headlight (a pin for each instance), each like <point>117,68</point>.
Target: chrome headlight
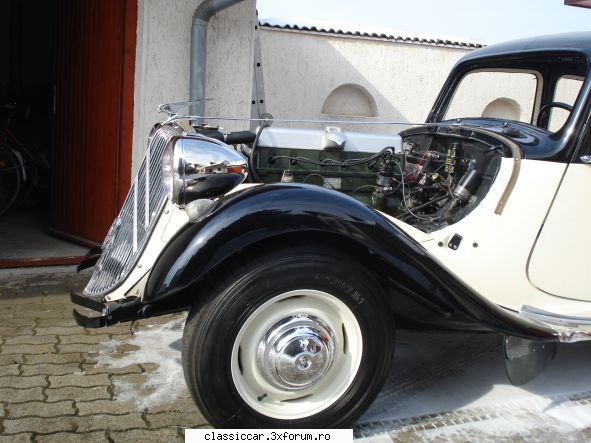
<point>198,167</point>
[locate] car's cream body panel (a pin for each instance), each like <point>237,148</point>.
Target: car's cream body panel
<point>559,262</point>
<point>493,255</point>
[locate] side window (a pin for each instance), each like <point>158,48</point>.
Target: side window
<point>566,91</point>
<point>496,94</point>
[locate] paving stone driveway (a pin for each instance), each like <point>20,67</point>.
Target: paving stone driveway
<point>60,382</point>
<point>51,387</point>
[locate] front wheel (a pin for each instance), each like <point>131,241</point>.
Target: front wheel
<point>301,339</point>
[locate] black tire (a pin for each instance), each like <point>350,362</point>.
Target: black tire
<point>303,291</point>
<point>10,178</point>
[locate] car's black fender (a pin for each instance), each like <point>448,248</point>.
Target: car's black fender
<point>420,288</point>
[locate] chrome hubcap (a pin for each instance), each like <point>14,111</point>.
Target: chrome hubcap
<point>296,352</point>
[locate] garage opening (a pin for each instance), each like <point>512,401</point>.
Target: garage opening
<point>66,109</point>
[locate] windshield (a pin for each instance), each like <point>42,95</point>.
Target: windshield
<point>506,95</point>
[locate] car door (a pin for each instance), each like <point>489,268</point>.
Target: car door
<point>559,261</point>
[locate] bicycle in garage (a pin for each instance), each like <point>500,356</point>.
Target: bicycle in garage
<point>23,166</point>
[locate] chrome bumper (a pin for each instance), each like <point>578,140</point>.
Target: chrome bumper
<point>569,329</point>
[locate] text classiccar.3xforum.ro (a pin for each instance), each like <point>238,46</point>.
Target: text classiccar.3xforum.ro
<point>267,436</point>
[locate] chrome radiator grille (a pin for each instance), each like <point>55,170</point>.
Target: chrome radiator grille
<point>131,229</point>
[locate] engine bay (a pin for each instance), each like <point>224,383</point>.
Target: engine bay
<point>427,176</point>
<point>447,172</point>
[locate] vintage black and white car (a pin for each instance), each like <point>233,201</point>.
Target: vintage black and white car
<point>299,252</point>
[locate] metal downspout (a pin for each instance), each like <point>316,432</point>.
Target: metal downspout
<point>201,16</point>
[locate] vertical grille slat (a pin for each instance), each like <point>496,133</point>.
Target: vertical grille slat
<point>134,219</point>
<point>131,229</point>
<point>147,192</point>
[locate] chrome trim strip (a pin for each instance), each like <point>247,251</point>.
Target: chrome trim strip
<point>569,329</point>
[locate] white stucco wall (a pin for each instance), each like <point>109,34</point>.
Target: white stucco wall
<point>230,64</point>
<point>162,62</point>
<point>301,69</point>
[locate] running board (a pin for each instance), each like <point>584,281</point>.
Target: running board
<point>569,329</point>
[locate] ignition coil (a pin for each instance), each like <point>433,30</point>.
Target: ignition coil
<point>467,185</point>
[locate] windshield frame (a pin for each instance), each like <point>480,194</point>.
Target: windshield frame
<point>551,65</point>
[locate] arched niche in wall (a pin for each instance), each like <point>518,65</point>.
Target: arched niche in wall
<point>503,108</point>
<point>350,100</point>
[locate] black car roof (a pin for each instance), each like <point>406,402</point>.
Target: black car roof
<point>572,41</point>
